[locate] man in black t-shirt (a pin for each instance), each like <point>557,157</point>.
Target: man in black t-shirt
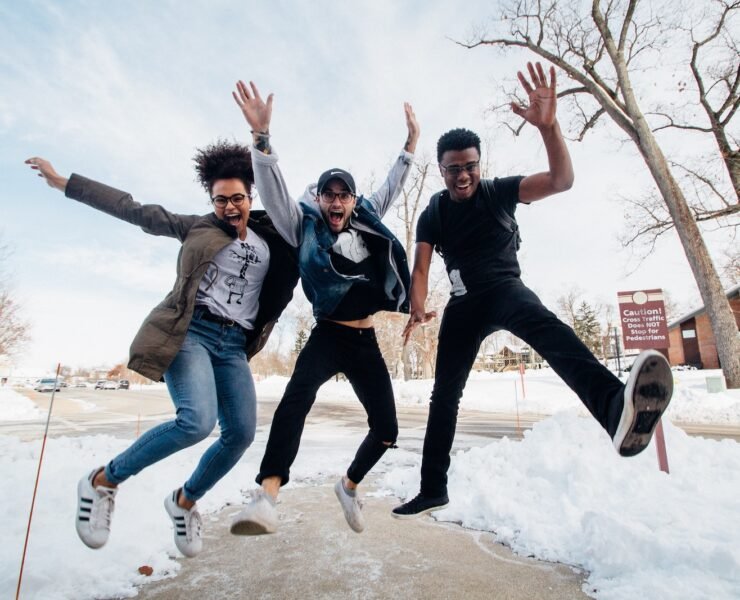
<point>473,227</point>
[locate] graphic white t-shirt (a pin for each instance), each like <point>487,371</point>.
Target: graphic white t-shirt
<point>232,284</point>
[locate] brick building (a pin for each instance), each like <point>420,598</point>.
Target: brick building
<point>691,339</point>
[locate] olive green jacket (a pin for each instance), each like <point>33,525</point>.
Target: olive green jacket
<point>202,236</point>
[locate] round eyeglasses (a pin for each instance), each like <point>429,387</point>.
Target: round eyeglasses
<point>343,197</point>
<point>235,199</point>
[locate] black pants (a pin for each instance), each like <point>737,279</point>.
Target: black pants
<point>333,348</point>
<point>512,306</point>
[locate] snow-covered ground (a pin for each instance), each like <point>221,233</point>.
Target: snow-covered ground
<point>543,393</point>
<point>562,494</point>
<point>15,407</point>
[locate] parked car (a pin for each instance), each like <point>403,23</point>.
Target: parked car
<point>46,385</point>
<point>110,385</point>
<point>99,384</point>
<point>123,384</point>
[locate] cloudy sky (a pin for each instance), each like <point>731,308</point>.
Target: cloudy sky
<point>124,93</point>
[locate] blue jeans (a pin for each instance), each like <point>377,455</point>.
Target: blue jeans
<point>209,379</point>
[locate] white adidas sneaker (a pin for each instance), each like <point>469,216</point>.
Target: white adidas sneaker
<point>188,526</point>
<point>258,517</point>
<point>95,507</point>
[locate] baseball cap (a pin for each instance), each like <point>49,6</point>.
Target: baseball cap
<point>340,174</point>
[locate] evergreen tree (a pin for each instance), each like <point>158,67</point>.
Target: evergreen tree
<point>587,327</point>
<point>300,342</point>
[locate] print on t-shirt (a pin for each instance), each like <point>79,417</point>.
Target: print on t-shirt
<point>238,283</point>
<point>351,245</point>
<point>458,287</point>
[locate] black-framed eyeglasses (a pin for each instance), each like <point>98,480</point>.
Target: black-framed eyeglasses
<point>455,170</point>
<point>343,197</point>
<point>235,199</point>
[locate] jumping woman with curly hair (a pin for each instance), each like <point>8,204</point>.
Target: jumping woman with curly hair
<point>235,275</point>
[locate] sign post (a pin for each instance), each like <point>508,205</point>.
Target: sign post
<point>645,327</point>
<point>521,374</point>
<point>644,324</point>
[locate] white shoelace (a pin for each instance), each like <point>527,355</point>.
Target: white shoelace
<point>102,509</point>
<point>193,526</point>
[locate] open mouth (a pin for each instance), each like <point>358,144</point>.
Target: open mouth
<point>233,219</point>
<point>336,217</point>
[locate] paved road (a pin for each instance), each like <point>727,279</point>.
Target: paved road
<point>82,411</point>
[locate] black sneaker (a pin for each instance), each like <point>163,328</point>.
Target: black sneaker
<point>420,505</point>
<point>646,396</point>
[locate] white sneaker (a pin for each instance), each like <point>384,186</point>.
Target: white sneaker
<point>646,396</point>
<point>258,517</point>
<point>188,525</point>
<point>351,505</point>
<point>95,507</point>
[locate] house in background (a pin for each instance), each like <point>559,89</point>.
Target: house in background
<point>508,359</point>
<point>691,338</point>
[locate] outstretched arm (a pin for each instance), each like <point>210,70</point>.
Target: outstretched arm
<point>286,215</point>
<point>419,289</point>
<point>152,218</point>
<point>384,197</point>
<point>541,112</point>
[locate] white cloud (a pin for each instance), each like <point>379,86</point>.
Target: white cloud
<point>124,93</point>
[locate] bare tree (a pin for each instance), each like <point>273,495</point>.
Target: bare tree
<point>731,268</point>
<point>715,69</point>
<point>601,52</point>
<point>566,306</point>
<point>14,329</point>
<point>388,329</point>
<point>121,371</point>
<point>270,361</point>
<point>673,309</point>
<point>710,182</point>
<point>414,197</point>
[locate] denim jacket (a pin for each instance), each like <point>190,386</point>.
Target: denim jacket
<point>323,285</point>
<point>302,225</point>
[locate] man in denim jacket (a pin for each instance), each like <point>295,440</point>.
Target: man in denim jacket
<point>351,267</point>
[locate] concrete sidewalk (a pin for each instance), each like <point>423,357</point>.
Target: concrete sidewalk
<point>314,554</point>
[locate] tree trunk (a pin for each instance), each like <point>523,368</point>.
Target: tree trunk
<point>716,304</point>
<point>406,359</point>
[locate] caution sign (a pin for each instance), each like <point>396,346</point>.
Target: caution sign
<point>644,324</point>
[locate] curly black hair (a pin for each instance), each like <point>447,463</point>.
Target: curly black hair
<point>457,139</point>
<point>223,160</point>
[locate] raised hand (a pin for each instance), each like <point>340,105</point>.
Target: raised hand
<point>46,171</point>
<point>413,126</point>
<point>256,111</point>
<point>542,97</point>
<point>416,318</point>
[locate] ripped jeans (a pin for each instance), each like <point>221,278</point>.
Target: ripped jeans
<point>333,348</point>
